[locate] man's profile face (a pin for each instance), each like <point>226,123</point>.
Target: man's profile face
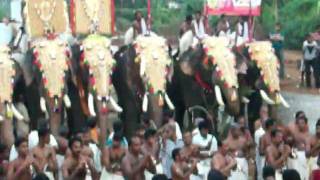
<point>204,132</point>
<point>76,148</point>
<point>278,138</point>
<point>138,15</point>
<point>301,124</point>
<point>116,144</point>
<point>47,138</point>
<point>187,139</point>
<point>23,148</point>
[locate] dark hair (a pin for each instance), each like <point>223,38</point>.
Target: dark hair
<point>268,171</point>
<point>73,140</point>
<point>290,174</point>
<point>131,139</point>
<point>274,132</point>
<point>43,131</point>
<point>269,123</point>
<point>175,153</point>
<point>318,122</point>
<point>298,114</point>
<point>160,177</point>
<point>136,13</point>
<point>84,129</point>
<point>189,17</point>
<point>168,113</point>
<point>19,141</point>
<point>203,125</point>
<point>117,126</point>
<point>40,176</point>
<point>117,137</point>
<point>149,133</point>
<point>92,122</point>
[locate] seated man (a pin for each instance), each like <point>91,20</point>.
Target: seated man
<point>199,26</point>
<point>186,25</point>
<point>140,25</point>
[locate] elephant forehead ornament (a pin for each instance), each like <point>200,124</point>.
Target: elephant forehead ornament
<point>51,57</point>
<point>7,73</point>
<point>152,54</point>
<point>98,58</point>
<point>262,53</point>
<point>220,55</point>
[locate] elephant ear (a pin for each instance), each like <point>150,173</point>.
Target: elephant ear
<point>7,72</point>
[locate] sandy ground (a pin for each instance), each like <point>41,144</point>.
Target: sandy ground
<point>292,83</point>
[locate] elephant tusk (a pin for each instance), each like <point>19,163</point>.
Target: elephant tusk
<point>16,113</point>
<point>145,103</point>
<point>67,101</point>
<point>168,101</point>
<point>142,66</point>
<point>1,118</point>
<point>245,100</point>
<point>219,95</point>
<point>160,102</point>
<point>43,105</point>
<point>115,105</point>
<point>91,105</point>
<point>266,98</point>
<point>283,101</point>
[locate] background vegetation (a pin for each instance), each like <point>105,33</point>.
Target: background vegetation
<point>298,17</point>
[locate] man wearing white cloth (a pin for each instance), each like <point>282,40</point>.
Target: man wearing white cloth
<point>199,26</point>
<point>140,25</point>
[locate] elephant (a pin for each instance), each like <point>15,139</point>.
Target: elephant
<point>205,75</point>
<point>262,78</point>
<point>97,65</point>
<point>140,78</point>
<point>51,56</point>
<point>7,108</point>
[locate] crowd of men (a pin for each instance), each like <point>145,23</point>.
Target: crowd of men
<point>270,152</point>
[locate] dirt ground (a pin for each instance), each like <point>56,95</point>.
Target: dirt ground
<point>292,82</point>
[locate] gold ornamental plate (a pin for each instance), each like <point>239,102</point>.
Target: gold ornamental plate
<point>44,15</point>
<point>7,73</point>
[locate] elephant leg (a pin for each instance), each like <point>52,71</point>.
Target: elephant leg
<point>7,136</point>
<point>130,117</point>
<point>156,110</point>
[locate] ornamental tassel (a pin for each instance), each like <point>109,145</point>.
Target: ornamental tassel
<point>142,66</point>
<point>168,101</point>
<point>1,118</point>
<point>91,105</point>
<point>43,105</point>
<point>67,101</point>
<point>115,105</point>
<point>145,103</point>
<point>160,100</point>
<point>16,113</point>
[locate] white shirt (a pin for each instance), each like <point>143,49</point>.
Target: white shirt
<point>307,54</point>
<point>245,29</point>
<point>33,141</point>
<point>201,141</point>
<point>6,34</point>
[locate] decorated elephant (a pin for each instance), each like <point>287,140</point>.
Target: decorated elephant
<point>263,75</point>
<point>205,75</point>
<point>7,108</point>
<point>97,65</point>
<point>143,70</point>
<point>51,56</point>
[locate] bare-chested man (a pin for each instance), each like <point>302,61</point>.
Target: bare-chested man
<point>313,148</point>
<point>300,133</point>
<point>277,152</point>
<point>150,145</point>
<point>44,156</point>
<point>265,140</point>
<point>189,149</point>
<point>180,169</point>
<point>234,141</point>
<point>113,155</point>
<point>135,163</point>
<point>222,161</point>
<point>76,166</point>
<point>140,25</point>
<point>20,168</point>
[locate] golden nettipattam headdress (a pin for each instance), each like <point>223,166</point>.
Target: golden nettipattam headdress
<point>92,16</point>
<point>44,16</point>
<point>220,55</point>
<point>7,72</point>
<point>51,57</point>
<point>263,54</point>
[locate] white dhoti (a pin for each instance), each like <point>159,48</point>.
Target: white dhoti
<point>260,160</point>
<point>106,175</point>
<point>278,175</point>
<point>242,171</point>
<point>159,170</point>
<point>300,164</point>
<point>204,168</point>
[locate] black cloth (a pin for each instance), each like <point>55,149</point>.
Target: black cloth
<point>315,65</point>
<point>216,175</point>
